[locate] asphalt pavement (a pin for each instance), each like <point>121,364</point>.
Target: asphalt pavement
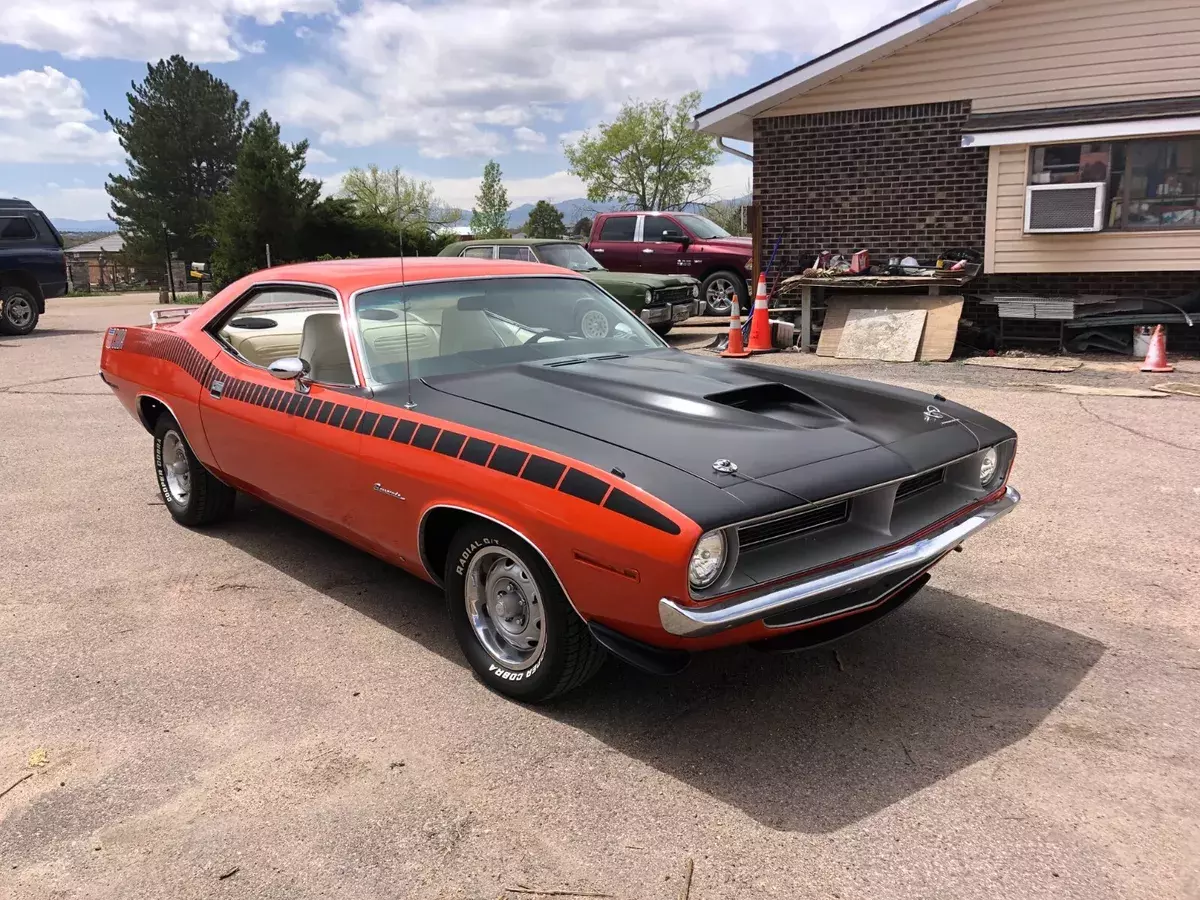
<point>257,710</point>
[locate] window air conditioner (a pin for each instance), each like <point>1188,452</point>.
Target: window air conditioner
<point>1051,208</point>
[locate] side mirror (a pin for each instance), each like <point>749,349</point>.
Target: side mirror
<point>292,368</point>
<point>675,237</point>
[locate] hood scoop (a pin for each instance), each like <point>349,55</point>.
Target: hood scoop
<point>780,402</point>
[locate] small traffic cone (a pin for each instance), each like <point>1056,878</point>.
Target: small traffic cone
<point>760,321</point>
<point>735,349</point>
<point>1156,356</point>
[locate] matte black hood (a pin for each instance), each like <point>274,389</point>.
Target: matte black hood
<point>808,435</point>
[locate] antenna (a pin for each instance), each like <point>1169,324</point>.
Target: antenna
<point>408,404</point>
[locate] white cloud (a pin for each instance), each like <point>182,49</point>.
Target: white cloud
<point>43,119</point>
<point>529,140</point>
<point>732,180</point>
<point>440,75</point>
<point>202,30</point>
<point>316,156</point>
<point>63,203</point>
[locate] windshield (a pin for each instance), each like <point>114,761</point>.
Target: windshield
<point>475,324</point>
<point>703,228</point>
<point>569,256</point>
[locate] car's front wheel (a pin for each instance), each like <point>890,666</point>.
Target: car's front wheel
<point>18,311</point>
<point>662,329</point>
<point>192,494</point>
<point>511,618</point>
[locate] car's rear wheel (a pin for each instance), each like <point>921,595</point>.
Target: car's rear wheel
<point>18,311</point>
<point>719,289</point>
<point>511,618</point>
<point>192,494</point>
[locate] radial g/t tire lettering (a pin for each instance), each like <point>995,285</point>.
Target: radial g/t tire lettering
<point>193,495</point>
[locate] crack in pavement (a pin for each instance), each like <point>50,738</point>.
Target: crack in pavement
<point>1134,431</point>
<point>12,388</point>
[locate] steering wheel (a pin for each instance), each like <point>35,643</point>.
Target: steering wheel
<point>549,333</point>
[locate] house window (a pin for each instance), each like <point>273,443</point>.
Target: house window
<point>1149,183</point>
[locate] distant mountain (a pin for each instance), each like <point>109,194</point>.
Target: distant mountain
<point>84,225</point>
<point>572,211</point>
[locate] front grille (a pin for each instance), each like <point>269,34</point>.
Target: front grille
<point>673,295</point>
<point>792,524</point>
<point>919,483</point>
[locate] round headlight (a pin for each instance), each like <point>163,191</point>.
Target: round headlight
<point>708,559</point>
<point>649,296</point>
<point>987,466</point>
<point>695,291</point>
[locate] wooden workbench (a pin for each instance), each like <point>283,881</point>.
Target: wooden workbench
<point>805,284</point>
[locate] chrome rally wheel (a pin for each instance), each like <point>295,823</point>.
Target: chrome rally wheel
<point>504,607</point>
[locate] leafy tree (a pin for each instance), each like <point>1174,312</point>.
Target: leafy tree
<point>334,229</point>
<point>182,138</point>
<point>397,197</point>
<point>649,157</point>
<point>545,221</point>
<point>583,228</point>
<point>267,203</point>
<point>490,218</point>
<point>728,214</point>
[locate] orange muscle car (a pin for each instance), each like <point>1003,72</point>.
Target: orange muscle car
<point>576,496</point>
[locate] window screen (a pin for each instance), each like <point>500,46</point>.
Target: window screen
<point>479,252</point>
<point>618,228</point>
<point>522,253</point>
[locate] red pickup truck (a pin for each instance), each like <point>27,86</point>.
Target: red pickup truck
<point>675,243</point>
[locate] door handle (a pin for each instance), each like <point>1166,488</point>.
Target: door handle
<point>597,249</point>
<point>647,250</point>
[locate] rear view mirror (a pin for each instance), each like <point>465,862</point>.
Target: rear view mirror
<point>292,368</point>
<point>675,237</point>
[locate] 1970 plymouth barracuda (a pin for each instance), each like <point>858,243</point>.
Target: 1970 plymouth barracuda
<point>573,495</point>
<point>658,300</point>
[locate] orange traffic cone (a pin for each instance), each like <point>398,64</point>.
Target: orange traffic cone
<point>760,321</point>
<point>735,349</point>
<point>1156,356</point>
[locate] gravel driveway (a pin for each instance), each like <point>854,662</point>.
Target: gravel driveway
<point>260,711</point>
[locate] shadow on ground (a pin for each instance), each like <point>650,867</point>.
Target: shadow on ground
<point>808,742</point>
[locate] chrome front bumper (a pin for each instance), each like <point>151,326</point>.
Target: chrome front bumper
<point>673,312</point>
<point>688,621</point>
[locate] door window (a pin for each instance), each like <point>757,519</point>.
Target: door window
<point>521,253</point>
<point>480,252</point>
<point>277,323</point>
<point>618,228</point>
<point>658,227</point>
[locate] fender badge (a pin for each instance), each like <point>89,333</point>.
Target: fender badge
<point>382,490</point>
<point>725,467</point>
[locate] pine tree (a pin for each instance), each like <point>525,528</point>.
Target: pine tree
<point>545,221</point>
<point>182,139</point>
<point>268,203</point>
<point>490,219</point>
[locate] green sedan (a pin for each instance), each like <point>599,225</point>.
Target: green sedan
<point>659,300</point>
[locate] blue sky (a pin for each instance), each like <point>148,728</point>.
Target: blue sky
<point>433,87</point>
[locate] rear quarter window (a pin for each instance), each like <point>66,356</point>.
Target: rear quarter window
<point>16,228</point>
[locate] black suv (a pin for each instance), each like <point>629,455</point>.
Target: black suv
<point>32,265</point>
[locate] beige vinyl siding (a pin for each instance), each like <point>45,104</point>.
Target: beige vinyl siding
<point>1026,54</point>
<point>1009,250</point>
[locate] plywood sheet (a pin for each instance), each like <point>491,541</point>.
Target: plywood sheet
<point>891,335</point>
<point>1032,363</point>
<point>941,321</point>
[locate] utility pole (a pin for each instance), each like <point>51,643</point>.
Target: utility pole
<point>268,256</point>
<point>170,274</point>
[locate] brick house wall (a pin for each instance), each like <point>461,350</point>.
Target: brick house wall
<point>894,180</point>
<point>897,181</point>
